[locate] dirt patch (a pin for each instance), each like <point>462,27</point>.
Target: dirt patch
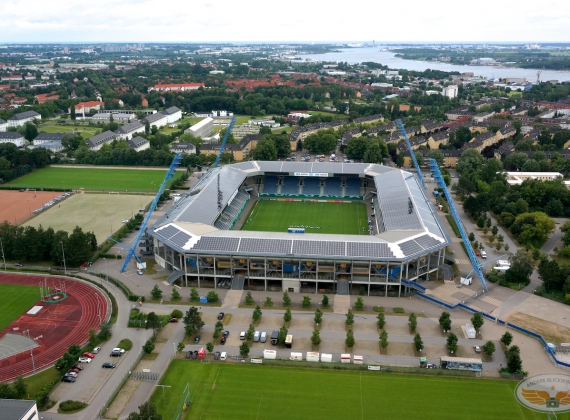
<point>400,349</point>
<point>243,320</point>
<point>333,324</point>
<point>271,322</point>
<point>120,402</point>
<point>363,347</point>
<point>397,328</point>
<point>550,331</point>
<point>362,326</point>
<point>300,322</point>
<point>166,331</point>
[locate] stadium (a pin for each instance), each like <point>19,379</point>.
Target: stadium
<point>301,227</point>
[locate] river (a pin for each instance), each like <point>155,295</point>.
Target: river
<point>387,58</point>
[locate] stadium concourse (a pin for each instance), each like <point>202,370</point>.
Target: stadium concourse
<point>201,240</point>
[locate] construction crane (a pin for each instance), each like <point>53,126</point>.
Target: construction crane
<point>405,135</point>
<point>538,76</point>
<point>133,247</point>
<point>228,131</point>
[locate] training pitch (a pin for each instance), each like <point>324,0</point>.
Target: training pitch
<point>18,207</point>
<point>278,216</point>
<point>228,391</point>
<point>101,213</point>
<point>95,179</point>
<point>16,300</point>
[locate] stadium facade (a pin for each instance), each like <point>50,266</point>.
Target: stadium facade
<point>195,240</point>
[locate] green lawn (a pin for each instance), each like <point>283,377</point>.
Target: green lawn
<point>85,130</point>
<point>93,179</point>
<point>278,216</point>
<point>16,300</point>
<point>228,391</point>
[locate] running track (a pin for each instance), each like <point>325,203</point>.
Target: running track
<point>61,324</point>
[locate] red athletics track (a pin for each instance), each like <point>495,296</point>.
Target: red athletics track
<point>60,324</point>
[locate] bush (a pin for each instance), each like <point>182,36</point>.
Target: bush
<point>71,405</point>
<point>125,344</point>
<point>212,296</point>
<point>176,314</point>
<point>398,310</point>
<point>378,309</point>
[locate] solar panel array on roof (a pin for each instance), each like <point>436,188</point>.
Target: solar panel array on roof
<point>427,241</point>
<point>319,248</point>
<point>207,243</point>
<point>168,232</point>
<point>393,199</point>
<point>180,239</point>
<point>410,247</point>
<point>267,246</point>
<point>366,249</point>
<point>424,207</point>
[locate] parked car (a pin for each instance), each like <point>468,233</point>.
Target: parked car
<point>139,272</point>
<point>242,335</point>
<point>18,264</point>
<point>431,366</point>
<point>68,379</point>
<point>73,370</point>
<point>223,341</point>
<point>217,355</point>
<point>195,354</point>
<point>116,354</point>
<point>87,354</point>
<point>72,374</point>
<point>189,354</point>
<point>120,350</point>
<point>221,316</point>
<point>197,339</point>
<point>477,349</point>
<point>108,365</point>
<point>96,350</point>
<point>78,367</point>
<point>84,360</point>
<point>173,320</point>
<point>226,334</point>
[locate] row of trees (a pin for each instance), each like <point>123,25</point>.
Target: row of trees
<point>16,162</point>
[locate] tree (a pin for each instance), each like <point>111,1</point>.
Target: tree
<point>532,228</point>
<point>156,292</point>
<point>30,131</point>
<point>146,127</point>
<point>256,314</point>
<point>282,335</point>
<point>514,362</point>
<point>105,331</point>
<point>268,302</point>
<point>470,162</point>
<point>210,346</point>
<point>74,350</point>
<point>147,411</point>
<point>190,138</point>
<point>265,150</point>
<point>349,339</point>
<point>381,320</point>
<point>521,267</point>
<point>250,332</point>
<point>373,153</point>
<point>445,321</point>
<point>471,237</point>
<point>175,294</point>
<point>488,348</point>
<point>494,230</point>
<point>180,346</point>
<point>551,275</point>
<point>212,296</point>
<point>72,113</point>
<point>349,318</point>
<point>477,320</point>
<point>418,343</point>
<point>413,322</point>
<point>148,347</point>
<point>452,343</point>
<point>507,339</point>
<point>244,349</point>
<point>306,302</point>
<point>419,158</point>
<point>20,387</point>
<point>192,321</point>
<point>437,155</point>
<point>194,295</point>
<point>318,317</point>
<point>153,321</point>
<point>287,315</point>
<point>356,147</point>
<point>384,339</point>
<point>249,301</point>
<point>316,337</point>
<point>176,314</point>
<point>286,299</point>
<point>359,304</point>
<point>325,301</point>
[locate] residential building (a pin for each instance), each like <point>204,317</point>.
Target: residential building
<point>96,142</point>
<point>19,120</point>
<point>240,151</point>
<point>86,107</point>
<point>157,120</point>
<point>3,125</point>
<point>12,137</point>
<point>171,87</point>
<point>18,410</point>
<point>52,146</point>
<point>202,128</point>
<point>450,91</point>
<point>127,131</point>
<point>438,139</point>
<point>187,148</point>
<point>139,143</point>
<point>517,178</point>
<point>120,118</point>
<point>483,116</point>
<point>49,137</point>
<point>370,119</point>
<point>172,114</point>
<point>296,116</point>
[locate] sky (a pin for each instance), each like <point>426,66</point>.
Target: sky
<point>305,21</point>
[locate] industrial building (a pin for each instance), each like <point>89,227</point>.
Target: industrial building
<point>202,128</point>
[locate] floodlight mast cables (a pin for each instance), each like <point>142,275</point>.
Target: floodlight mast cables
<point>472,257</point>
<point>133,247</point>
<point>405,135</point>
<point>228,131</point>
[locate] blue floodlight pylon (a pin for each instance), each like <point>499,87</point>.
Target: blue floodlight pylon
<point>228,131</point>
<point>133,248</point>
<point>472,257</point>
<point>405,135</point>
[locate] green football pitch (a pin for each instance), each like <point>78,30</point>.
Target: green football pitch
<point>229,391</point>
<point>16,300</point>
<point>98,179</point>
<point>278,216</point>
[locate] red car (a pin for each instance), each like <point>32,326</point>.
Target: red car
<point>173,320</point>
<point>73,370</point>
<point>78,367</point>
<point>87,354</point>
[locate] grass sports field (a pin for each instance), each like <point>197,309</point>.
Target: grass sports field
<point>100,213</point>
<point>16,300</point>
<point>278,216</point>
<point>84,130</point>
<point>93,179</point>
<point>229,391</point>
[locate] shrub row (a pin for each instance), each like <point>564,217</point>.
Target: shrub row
<point>71,405</point>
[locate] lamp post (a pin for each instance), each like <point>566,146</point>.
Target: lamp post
<point>106,273</point>
<point>3,256</point>
<point>31,351</point>
<point>63,252</point>
<point>98,308</point>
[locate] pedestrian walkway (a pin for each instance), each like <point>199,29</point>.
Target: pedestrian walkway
<point>232,299</point>
<point>341,304</point>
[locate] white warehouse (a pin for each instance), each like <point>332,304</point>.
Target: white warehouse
<point>202,128</point>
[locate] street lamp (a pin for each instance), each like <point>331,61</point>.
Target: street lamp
<point>106,273</point>
<point>3,256</point>
<point>63,252</point>
<point>98,308</point>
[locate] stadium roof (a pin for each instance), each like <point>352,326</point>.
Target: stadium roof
<point>410,228</point>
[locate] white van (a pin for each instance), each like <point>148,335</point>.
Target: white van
<point>242,335</point>
<point>256,336</point>
<point>223,356</point>
<point>263,338</point>
<point>483,255</point>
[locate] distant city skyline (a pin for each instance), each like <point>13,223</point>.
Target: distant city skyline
<point>251,21</point>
